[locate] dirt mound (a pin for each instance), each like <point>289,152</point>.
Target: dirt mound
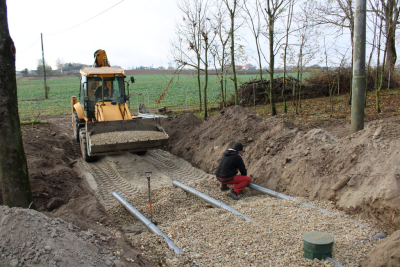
<point>385,254</point>
<point>203,143</point>
<point>61,193</point>
<point>359,172</point>
<point>312,164</point>
<point>30,238</point>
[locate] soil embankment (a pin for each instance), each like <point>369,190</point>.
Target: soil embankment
<point>360,172</point>
<point>72,227</point>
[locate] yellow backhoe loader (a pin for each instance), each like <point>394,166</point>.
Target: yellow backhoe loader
<point>101,119</point>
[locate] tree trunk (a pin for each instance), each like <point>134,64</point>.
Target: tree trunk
<point>391,17</point>
<point>223,99</point>
<point>284,74</point>
<point>233,56</point>
<point>391,52</point>
<point>205,80</point>
<point>199,83</point>
<point>271,66</point>
<point>221,81</point>
<point>14,174</point>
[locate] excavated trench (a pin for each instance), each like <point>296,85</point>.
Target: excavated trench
<point>210,236</point>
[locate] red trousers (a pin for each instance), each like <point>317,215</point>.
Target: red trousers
<point>241,182</point>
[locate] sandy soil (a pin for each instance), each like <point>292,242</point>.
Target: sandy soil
<point>66,205</point>
<point>359,173</point>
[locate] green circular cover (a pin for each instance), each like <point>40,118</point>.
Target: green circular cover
<point>318,238</point>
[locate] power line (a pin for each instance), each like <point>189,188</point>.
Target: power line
<point>86,20</point>
<point>28,46</point>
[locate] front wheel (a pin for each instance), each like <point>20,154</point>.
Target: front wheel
<point>82,139</point>
<point>75,125</point>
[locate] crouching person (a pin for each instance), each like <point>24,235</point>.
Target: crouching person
<point>226,173</point>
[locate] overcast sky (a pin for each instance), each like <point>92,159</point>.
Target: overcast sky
<point>133,32</point>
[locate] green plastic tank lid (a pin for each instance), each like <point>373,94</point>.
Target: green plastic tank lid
<point>318,238</point>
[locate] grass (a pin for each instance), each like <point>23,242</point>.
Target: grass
<point>147,89</point>
<point>31,121</point>
<point>319,111</point>
<point>313,112</point>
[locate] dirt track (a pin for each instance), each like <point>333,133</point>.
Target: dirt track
<point>65,187</point>
<point>125,173</point>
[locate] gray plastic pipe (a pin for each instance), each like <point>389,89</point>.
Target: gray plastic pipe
<point>212,201</point>
<point>282,196</point>
<point>146,222</point>
<point>333,261</point>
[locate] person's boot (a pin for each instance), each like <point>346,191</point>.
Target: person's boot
<point>233,194</point>
<point>223,187</point>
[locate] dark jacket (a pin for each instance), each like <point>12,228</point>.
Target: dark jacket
<point>230,162</point>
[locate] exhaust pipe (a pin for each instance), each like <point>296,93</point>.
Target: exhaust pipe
<point>146,222</point>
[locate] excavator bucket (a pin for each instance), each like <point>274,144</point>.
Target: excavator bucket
<point>114,137</point>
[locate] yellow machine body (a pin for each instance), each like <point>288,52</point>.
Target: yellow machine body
<point>112,112</point>
<point>101,59</point>
<point>102,107</point>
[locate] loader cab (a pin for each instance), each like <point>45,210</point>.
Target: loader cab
<point>94,81</point>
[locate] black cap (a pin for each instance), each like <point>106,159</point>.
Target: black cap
<point>238,146</point>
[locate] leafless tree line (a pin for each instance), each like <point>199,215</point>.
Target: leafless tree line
<point>209,37</point>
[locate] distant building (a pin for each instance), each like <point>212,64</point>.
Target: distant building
<point>249,67</point>
<point>70,68</point>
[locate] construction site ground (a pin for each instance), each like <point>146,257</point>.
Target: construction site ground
<point>79,223</point>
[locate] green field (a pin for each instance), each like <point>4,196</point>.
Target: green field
<point>147,88</point>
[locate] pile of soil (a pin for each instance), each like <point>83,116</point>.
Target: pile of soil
<point>30,238</point>
<point>360,172</point>
<point>67,206</point>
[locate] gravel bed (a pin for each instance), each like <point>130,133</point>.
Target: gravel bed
<point>216,237</point>
<point>126,137</point>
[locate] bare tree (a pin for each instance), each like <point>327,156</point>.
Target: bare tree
<point>197,34</point>
<point>253,20</point>
<point>340,15</point>
<point>232,7</point>
<point>374,21</point>
<point>14,174</point>
<point>388,11</point>
<point>59,64</point>
<point>272,9</point>
<point>307,44</point>
<point>187,49</point>
<point>380,68</point>
<point>332,77</point>
<point>219,50</point>
<point>208,33</point>
<point>288,25</point>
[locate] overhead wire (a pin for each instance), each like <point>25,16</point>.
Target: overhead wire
<point>72,26</point>
<point>86,20</point>
<point>29,46</point>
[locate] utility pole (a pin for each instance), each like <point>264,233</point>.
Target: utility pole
<point>358,88</point>
<point>44,71</point>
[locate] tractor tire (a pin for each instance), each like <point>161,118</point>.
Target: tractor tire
<point>82,139</point>
<point>75,125</point>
